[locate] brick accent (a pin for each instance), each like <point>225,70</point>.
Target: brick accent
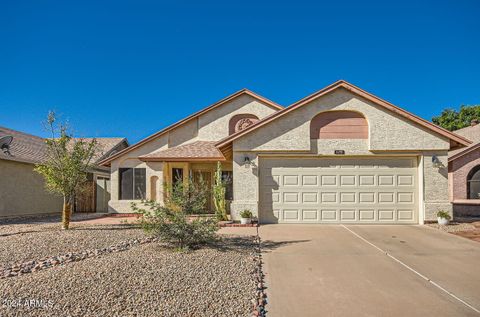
<point>458,173</point>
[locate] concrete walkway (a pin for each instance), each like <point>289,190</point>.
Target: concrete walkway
<point>333,270</point>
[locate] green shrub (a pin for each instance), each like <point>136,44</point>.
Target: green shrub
<point>175,226</point>
<point>191,198</point>
<point>443,214</point>
<point>246,214</point>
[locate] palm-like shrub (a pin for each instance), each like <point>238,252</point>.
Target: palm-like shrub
<point>219,191</point>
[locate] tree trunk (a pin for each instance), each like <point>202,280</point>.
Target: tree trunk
<point>67,208</point>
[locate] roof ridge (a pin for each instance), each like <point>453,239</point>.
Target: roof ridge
<point>356,90</point>
<point>170,127</point>
<point>21,132</point>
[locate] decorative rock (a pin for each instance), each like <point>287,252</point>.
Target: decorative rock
<point>33,266</point>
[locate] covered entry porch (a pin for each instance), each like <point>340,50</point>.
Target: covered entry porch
<point>196,162</point>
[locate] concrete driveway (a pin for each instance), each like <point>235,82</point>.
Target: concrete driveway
<point>335,270</point>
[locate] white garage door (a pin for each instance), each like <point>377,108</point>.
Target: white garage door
<point>338,190</point>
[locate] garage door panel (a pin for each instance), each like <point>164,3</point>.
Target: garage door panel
<point>329,215</point>
<point>348,215</point>
<point>310,215</point>
<point>348,180</point>
<point>309,180</point>
<point>291,215</point>
<point>309,197</point>
<point>339,190</point>
<point>367,215</point>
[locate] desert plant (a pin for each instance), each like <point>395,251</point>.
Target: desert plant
<point>443,214</point>
<point>219,190</point>
<point>191,197</point>
<point>174,226</point>
<point>66,165</point>
<point>246,213</point>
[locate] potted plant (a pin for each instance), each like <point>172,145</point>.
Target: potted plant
<point>245,217</point>
<point>443,217</point>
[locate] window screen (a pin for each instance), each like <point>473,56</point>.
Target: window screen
<point>132,183</point>
<point>140,183</point>
<point>126,183</point>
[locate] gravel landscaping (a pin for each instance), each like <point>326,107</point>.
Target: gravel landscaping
<point>453,227</point>
<point>34,241</point>
<point>146,280</point>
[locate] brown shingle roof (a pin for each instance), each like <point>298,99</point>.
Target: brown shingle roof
<point>196,151</point>
<point>106,147</point>
<point>29,148</point>
<point>25,147</point>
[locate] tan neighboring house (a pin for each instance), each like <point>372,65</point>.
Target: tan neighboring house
<point>22,190</point>
<point>464,174</point>
<point>340,155</point>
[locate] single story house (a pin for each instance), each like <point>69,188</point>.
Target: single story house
<point>22,190</point>
<point>340,155</point>
<point>464,174</point>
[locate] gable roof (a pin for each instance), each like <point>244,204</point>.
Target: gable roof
<point>28,148</point>
<point>219,103</point>
<point>455,140</point>
<point>107,146</point>
<point>473,134</point>
<point>195,151</point>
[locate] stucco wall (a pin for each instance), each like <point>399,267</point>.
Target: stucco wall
<point>245,184</point>
<point>22,191</point>
<point>151,168</point>
<point>213,125</point>
<point>435,185</point>
<point>387,131</point>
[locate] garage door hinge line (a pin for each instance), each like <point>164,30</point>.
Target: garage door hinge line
<point>413,270</point>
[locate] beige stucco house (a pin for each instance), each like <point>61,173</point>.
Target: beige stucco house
<point>340,155</point>
<point>464,174</point>
<point>22,190</point>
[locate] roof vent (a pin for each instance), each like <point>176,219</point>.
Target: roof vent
<point>5,142</point>
<point>474,122</point>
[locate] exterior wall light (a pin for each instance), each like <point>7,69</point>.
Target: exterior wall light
<point>246,162</point>
<point>436,162</point>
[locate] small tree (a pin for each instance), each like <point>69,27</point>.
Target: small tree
<point>65,168</point>
<point>219,191</point>
<point>452,120</point>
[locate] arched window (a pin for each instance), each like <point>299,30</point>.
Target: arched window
<point>473,183</point>
<point>241,121</point>
<point>339,125</point>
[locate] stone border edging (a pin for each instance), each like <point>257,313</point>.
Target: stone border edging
<point>260,300</point>
<point>34,265</point>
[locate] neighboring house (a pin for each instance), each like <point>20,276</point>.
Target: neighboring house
<point>464,174</point>
<point>22,190</point>
<point>340,155</point>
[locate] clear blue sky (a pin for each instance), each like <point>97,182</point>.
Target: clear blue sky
<point>129,68</point>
